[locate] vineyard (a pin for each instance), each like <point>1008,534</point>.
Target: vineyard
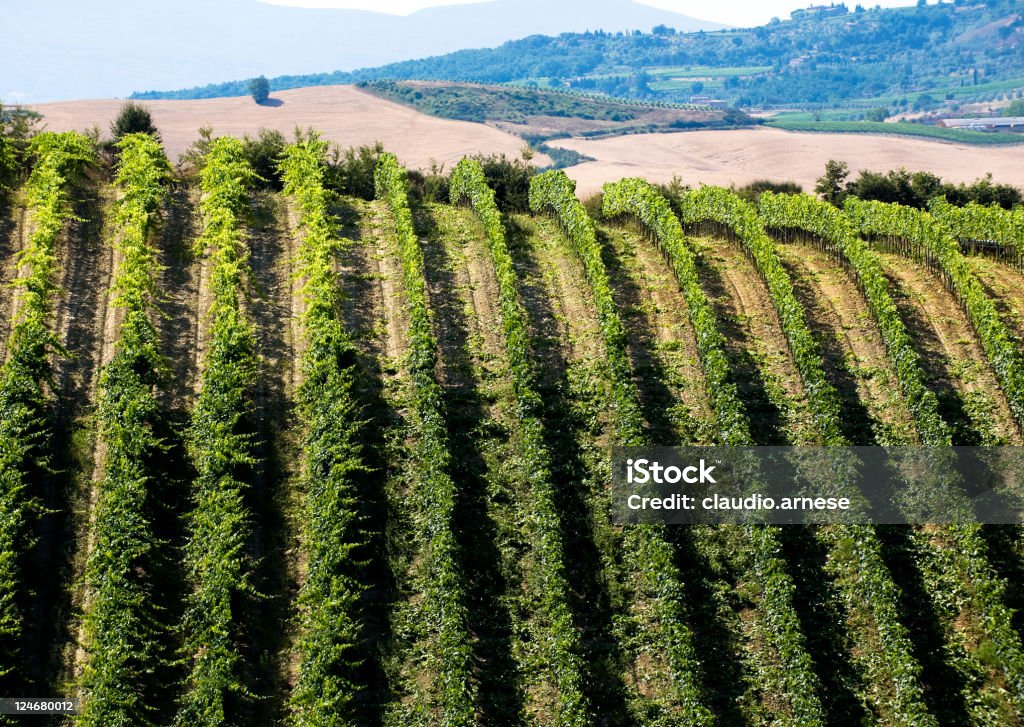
<point>289,456</point>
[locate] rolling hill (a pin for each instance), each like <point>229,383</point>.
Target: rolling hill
<point>938,56</point>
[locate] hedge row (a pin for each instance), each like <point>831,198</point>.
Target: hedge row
<point>638,199</point>
<point>222,451</point>
<point>24,427</point>
<point>654,556</point>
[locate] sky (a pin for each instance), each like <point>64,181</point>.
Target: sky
<point>731,12</point>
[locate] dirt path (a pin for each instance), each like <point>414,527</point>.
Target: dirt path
<point>87,323</point>
<point>662,342</point>
<point>475,279</point>
<point>853,350</point>
<point>181,310</point>
<point>767,378</point>
<point>566,317</point>
<point>969,394</point>
<point>12,226</point>
<point>270,305</point>
<point>375,228</point>
<point>473,369</point>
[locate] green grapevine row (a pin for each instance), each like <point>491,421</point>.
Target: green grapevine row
<point>446,593</point>
<point>468,183</point>
<point>638,198</point>
<point>221,451</point>
<point>831,230</point>
<point>122,626</point>
<point>725,208</point>
<point>27,371</point>
<point>918,235</point>
<point>987,229</point>
<point>330,624</point>
<point>554,191</point>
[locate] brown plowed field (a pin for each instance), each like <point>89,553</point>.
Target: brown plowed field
<point>740,156</point>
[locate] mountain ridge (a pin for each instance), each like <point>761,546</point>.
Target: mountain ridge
<point>245,38</point>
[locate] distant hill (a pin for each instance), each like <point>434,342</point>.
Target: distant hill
<point>63,49</point>
<point>902,59</point>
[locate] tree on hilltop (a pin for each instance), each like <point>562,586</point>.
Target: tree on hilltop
<point>259,88</point>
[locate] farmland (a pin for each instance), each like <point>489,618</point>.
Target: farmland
<point>282,455</point>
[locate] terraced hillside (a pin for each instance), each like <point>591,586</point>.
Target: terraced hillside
<point>299,458</point>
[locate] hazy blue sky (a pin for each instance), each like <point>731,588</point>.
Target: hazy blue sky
<point>732,12</point>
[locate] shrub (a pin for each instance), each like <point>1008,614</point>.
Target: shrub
<point>133,119</point>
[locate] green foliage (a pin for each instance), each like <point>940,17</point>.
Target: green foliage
<point>636,197</point>
<point>917,235</point>
<point>510,180</point>
<point>25,376</point>
<point>122,625</point>
<point>990,229</point>
<point>963,136</point>
<point>653,554</point>
<point>264,154</point>
<point>438,494</point>
<point>259,89</point>
<point>352,172</point>
<point>752,192</point>
<point>330,621</point>
<point>531,109</point>
<point>222,452</point>
<point>832,185</point>
<point>878,115</point>
<point>133,118</point>
<point>8,166</point>
<point>917,189</point>
<point>833,232</point>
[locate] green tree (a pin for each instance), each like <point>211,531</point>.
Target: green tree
<point>259,89</point>
<point>133,119</point>
<point>832,185</point>
<point>879,114</point>
<point>1016,108</point>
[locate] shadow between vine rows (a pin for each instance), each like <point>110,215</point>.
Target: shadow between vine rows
<point>936,366</point>
<point>359,319</point>
<point>767,426</point>
<point>943,685</point>
<point>501,697</point>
